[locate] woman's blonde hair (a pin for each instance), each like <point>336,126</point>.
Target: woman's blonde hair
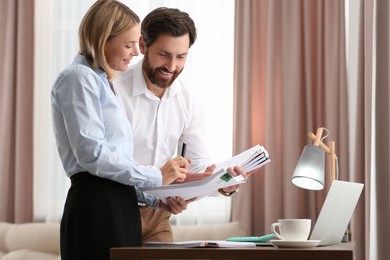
<point>105,19</point>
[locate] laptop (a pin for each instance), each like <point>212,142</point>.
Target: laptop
<point>336,212</point>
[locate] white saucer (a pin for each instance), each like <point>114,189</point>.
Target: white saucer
<point>291,243</point>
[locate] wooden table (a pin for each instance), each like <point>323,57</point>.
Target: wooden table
<point>343,251</point>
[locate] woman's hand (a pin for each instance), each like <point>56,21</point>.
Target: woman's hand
<point>174,169</point>
<point>192,176</point>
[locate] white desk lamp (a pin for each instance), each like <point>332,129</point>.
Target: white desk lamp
<point>309,173</point>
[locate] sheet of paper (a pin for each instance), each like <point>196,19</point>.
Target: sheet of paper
<point>249,160</point>
<point>200,243</point>
<point>238,159</point>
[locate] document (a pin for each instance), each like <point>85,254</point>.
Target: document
<point>199,243</point>
<point>249,160</point>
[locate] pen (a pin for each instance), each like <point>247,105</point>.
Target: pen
<point>211,244</point>
<point>183,150</point>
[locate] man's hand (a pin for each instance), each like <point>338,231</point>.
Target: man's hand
<point>236,170</point>
<point>176,205</point>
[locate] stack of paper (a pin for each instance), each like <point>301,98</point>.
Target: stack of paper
<point>250,160</point>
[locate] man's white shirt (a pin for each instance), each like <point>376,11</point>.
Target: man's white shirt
<point>160,126</point>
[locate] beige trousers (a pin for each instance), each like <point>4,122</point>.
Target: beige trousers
<point>155,225</point>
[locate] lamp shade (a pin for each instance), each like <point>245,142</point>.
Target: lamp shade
<point>309,173</point>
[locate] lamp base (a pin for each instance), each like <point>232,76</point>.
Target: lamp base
<point>346,237</point>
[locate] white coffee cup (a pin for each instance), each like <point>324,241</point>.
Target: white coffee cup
<point>292,229</point>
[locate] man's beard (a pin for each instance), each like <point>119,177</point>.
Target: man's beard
<point>153,73</point>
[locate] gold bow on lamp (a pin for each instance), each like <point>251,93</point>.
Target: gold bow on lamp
<point>309,173</point>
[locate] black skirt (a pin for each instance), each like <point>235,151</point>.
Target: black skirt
<point>98,214</point>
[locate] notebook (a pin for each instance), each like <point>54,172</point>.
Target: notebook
<point>336,212</point>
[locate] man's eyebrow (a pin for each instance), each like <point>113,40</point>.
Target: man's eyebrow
<point>170,53</point>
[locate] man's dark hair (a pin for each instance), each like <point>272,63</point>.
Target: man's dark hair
<point>167,21</point>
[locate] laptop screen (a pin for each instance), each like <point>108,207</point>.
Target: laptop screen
<point>336,212</point>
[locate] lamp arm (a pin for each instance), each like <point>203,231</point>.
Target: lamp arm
<point>332,160</point>
<point>313,137</point>
<point>318,135</point>
<point>329,150</point>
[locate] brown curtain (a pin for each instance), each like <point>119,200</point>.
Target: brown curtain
<point>361,156</point>
<point>290,78</point>
<point>373,129</point>
<point>16,110</point>
<point>382,128</point>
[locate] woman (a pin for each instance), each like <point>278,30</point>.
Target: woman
<point>94,140</point>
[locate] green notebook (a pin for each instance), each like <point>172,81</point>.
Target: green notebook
<point>260,239</point>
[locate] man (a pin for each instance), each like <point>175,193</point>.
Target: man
<point>165,114</point>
